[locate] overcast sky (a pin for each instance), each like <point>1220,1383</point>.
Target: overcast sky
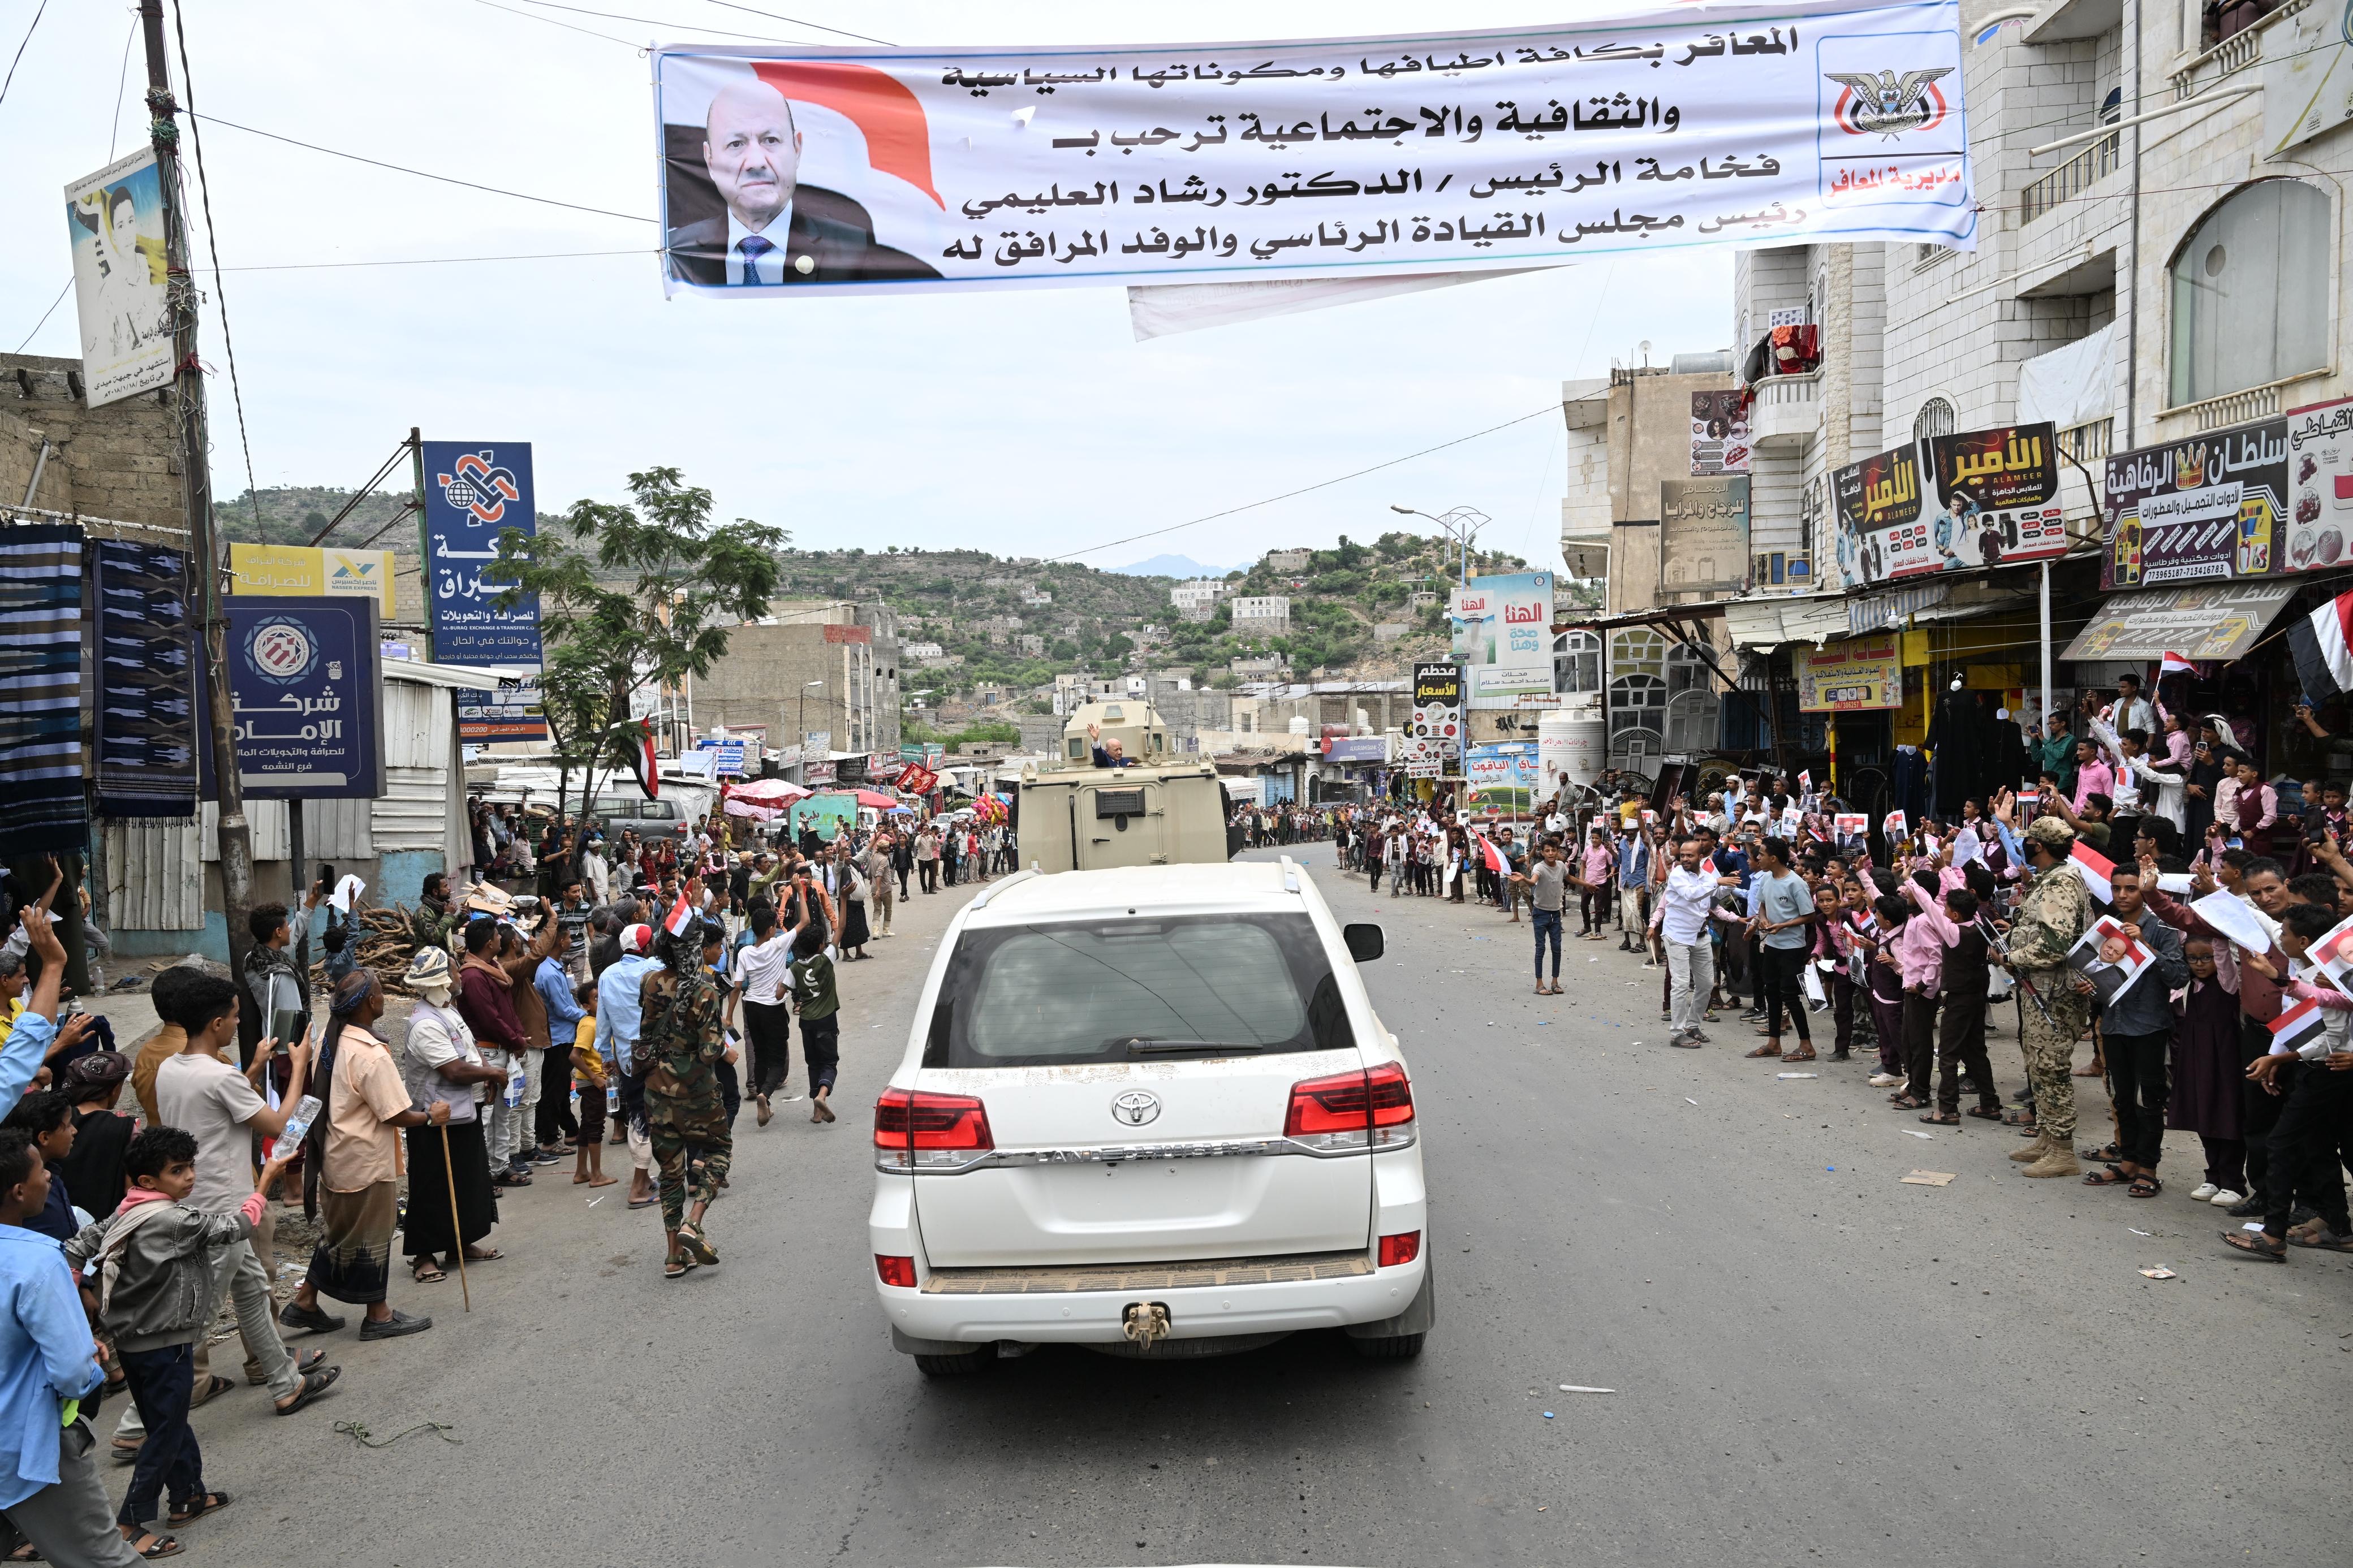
<point>1025,423</point>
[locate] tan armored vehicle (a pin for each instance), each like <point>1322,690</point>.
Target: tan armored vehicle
<point>1153,811</point>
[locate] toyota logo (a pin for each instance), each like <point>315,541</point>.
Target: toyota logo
<point>1135,1108</point>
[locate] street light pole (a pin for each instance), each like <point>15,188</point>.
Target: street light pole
<point>1460,524</point>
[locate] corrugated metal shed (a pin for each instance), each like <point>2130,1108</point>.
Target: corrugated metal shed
<point>155,881</point>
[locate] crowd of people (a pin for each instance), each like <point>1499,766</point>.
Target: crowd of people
<point>2172,953</point>
<point>539,1022</point>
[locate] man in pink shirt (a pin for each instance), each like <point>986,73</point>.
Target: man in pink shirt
<point>2092,775</point>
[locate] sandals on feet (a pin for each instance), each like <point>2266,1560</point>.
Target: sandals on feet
<point>1941,1118</point>
<point>2261,1248</point>
<point>2322,1239</point>
<point>679,1268</point>
<point>2108,1176</point>
<point>211,1502</point>
<point>1769,1048</point>
<point>425,1272</point>
<point>314,1384</point>
<point>157,1545</point>
<point>2148,1187</point>
<point>1986,1113</point>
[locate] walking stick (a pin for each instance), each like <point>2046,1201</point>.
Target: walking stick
<point>449,1171</point>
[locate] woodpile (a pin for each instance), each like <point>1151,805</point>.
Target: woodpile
<point>384,947</point>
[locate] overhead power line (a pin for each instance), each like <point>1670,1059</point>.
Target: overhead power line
<point>27,39</point>
<point>796,21</point>
<point>420,174</point>
<point>1303,489</point>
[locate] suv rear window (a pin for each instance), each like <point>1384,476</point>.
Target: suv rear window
<point>1129,990</point>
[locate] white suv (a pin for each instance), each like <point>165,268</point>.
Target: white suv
<point>1149,1111</point>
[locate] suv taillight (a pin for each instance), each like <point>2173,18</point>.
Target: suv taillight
<point>1366,1109</point>
<point>915,1130</point>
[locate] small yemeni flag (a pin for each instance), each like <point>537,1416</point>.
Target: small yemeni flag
<point>2323,644</point>
<point>1495,857</point>
<point>680,916</point>
<point>2174,664</point>
<point>2096,869</point>
<point>642,762</point>
<point>2296,1027</point>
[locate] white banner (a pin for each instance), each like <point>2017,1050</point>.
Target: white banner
<point>114,219</point>
<point>879,170</point>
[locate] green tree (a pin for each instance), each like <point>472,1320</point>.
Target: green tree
<point>683,584</point>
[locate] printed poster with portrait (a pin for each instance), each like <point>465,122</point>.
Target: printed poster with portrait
<point>115,221</point>
<point>1875,508</point>
<point>796,169</point>
<point>1994,496</point>
<point>1719,434</point>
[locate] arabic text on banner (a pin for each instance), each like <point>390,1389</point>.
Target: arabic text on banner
<point>885,170</point>
<point>1946,503</point>
<point>1502,639</point>
<point>474,492</point>
<point>2207,506</point>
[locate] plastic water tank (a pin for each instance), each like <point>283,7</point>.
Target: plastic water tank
<point>1571,745</point>
<point>1299,726</point>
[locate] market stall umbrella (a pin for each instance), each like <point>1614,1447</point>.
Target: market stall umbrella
<point>768,791</point>
<point>879,802</point>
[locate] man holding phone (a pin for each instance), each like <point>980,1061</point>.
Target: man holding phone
<point>270,976</point>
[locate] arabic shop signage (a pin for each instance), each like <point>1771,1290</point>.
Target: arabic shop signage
<point>474,492</point>
<point>1502,639</point>
<point>2320,492</point>
<point>1436,717</point>
<point>1945,503</point>
<point>1642,127</point>
<point>303,681</point>
<point>297,571</point>
<point>1704,534</point>
<point>1851,674</point>
<point>2207,506</point>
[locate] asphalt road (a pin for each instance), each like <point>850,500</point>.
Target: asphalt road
<point>1813,1364</point>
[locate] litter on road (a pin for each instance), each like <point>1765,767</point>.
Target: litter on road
<point>2159,1274</point>
<point>1909,1133</point>
<point>1581,1388</point>
<point>1928,1178</point>
<point>1797,1075</point>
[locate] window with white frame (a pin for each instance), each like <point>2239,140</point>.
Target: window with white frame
<point>1577,661</point>
<point>1935,418</point>
<point>2251,289</point>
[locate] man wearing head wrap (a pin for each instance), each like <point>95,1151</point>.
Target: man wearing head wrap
<point>93,1170</point>
<point>2053,915</point>
<point>448,1166</point>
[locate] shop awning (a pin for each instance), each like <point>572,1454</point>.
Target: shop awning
<point>1767,624</point>
<point>2203,621</point>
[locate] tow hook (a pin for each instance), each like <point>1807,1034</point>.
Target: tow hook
<point>1145,1322</point>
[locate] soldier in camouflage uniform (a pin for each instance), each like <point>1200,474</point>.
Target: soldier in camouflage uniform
<point>2054,913</point>
<point>681,1042</point>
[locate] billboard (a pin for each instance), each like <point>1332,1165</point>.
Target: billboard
<point>1502,639</point>
<point>1875,508</point>
<point>2321,486</point>
<point>1640,128</point>
<point>1504,773</point>
<point>114,222</point>
<point>2207,506</point>
<point>1719,433</point>
<point>1703,535</point>
<point>295,571</point>
<point>474,492</point>
<point>1993,496</point>
<point>303,682</point>
<point>517,711</point>
<point>1851,675</point>
<point>1437,721</point>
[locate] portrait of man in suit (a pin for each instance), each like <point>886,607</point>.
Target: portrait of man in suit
<point>774,231</point>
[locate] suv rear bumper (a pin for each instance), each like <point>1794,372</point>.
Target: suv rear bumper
<point>1327,1298</point>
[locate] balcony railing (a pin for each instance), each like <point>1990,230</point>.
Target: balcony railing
<point>2238,407</point>
<point>2232,55</point>
<point>1775,391</point>
<point>2070,179</point>
<point>2089,443</point>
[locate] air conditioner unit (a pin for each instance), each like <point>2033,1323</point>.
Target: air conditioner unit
<point>1779,568</point>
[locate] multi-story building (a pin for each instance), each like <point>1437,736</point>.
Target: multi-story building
<point>1288,560</point>
<point>1261,616</point>
<point>809,667</point>
<point>2160,270</point>
<point>1196,598</point>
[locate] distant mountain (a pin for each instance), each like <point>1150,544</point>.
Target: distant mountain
<point>1171,566</point>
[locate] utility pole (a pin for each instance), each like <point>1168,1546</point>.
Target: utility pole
<point>196,482</point>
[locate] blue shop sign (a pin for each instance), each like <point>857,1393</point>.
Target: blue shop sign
<point>304,675</point>
<point>474,492</point>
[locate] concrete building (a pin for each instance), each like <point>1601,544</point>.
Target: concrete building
<point>1288,560</point>
<point>1195,599</point>
<point>117,461</point>
<point>827,666</point>
<point>1261,616</point>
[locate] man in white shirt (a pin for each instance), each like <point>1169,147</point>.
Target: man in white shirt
<point>199,1092</point>
<point>1682,917</point>
<point>764,979</point>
